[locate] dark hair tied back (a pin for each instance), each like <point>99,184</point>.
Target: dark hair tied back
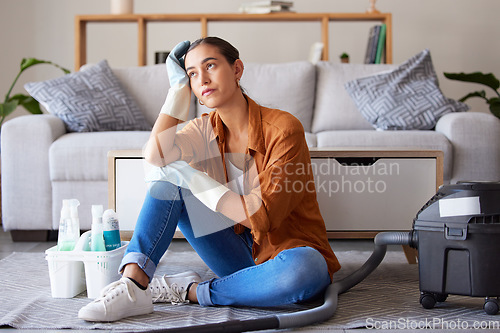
<point>225,48</point>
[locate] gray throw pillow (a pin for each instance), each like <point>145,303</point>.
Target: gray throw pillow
<point>407,98</point>
<point>90,100</point>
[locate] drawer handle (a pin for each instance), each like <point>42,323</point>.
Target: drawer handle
<point>356,161</point>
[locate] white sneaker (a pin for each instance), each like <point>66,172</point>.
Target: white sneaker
<point>118,300</point>
<point>172,288</point>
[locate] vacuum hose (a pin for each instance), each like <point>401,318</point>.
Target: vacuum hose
<point>320,313</point>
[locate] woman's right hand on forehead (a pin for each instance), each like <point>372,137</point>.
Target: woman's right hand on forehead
<point>175,63</point>
<point>179,95</point>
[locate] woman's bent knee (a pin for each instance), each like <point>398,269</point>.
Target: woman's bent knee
<point>305,275</point>
<point>162,190</point>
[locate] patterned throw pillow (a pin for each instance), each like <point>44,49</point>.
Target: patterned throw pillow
<point>90,100</point>
<point>406,98</point>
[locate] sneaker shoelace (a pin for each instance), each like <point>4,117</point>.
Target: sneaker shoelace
<point>115,289</point>
<point>162,292</point>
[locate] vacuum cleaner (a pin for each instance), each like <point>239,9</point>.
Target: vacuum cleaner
<point>458,240</point>
<point>457,234</point>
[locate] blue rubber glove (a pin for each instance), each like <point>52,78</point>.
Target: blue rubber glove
<point>179,95</point>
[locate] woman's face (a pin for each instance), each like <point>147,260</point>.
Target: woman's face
<point>212,78</point>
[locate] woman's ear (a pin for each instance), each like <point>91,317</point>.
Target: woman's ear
<point>238,68</point>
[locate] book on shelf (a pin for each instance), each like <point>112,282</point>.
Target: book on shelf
<point>266,7</point>
<point>371,48</point>
<point>375,49</point>
<point>380,45</point>
<point>264,3</point>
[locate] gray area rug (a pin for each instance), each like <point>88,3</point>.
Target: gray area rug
<point>388,298</point>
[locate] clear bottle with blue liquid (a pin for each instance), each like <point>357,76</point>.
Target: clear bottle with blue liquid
<point>96,238</point>
<point>111,230</point>
<point>69,226</point>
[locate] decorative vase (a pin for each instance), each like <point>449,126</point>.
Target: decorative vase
<point>121,7</point>
<point>372,9</point>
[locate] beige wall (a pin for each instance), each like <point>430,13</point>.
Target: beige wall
<point>461,34</point>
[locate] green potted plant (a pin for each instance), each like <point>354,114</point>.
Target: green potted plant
<point>344,58</point>
<point>10,103</point>
<point>488,80</point>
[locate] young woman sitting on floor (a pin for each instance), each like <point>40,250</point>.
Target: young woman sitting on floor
<point>228,180</point>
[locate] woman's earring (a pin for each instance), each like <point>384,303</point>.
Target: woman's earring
<point>201,103</point>
<point>238,83</point>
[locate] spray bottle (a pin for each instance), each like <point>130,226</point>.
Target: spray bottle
<point>97,238</point>
<point>69,225</point>
<point>111,231</point>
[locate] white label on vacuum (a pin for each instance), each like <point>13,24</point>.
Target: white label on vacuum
<point>459,206</point>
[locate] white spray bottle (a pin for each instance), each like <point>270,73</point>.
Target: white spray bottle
<point>97,238</point>
<point>111,229</point>
<point>69,226</point>
<point>75,220</point>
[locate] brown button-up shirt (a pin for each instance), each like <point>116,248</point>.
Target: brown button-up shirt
<point>280,195</point>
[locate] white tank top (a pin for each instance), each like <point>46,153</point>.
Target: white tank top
<point>235,177</point>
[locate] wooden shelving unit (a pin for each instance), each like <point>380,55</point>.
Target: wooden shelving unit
<point>142,21</point>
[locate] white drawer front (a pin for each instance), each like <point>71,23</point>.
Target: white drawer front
<point>130,190</point>
<point>383,196</point>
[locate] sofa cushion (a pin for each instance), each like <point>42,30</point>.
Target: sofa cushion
<point>84,156</point>
<point>148,85</point>
<point>311,139</point>
<point>405,98</point>
<point>387,139</point>
<point>90,100</point>
<point>286,86</point>
<point>334,108</point>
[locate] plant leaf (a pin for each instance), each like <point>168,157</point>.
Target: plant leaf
<point>28,62</point>
<point>29,103</point>
<point>477,77</point>
<point>32,106</point>
<point>481,94</point>
<point>7,108</point>
<point>495,106</point>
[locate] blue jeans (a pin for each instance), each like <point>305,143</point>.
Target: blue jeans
<point>294,275</point>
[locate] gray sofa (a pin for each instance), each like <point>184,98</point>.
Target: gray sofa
<point>42,164</point>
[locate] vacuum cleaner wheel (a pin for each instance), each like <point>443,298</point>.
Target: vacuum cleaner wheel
<point>428,300</point>
<point>491,305</point>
